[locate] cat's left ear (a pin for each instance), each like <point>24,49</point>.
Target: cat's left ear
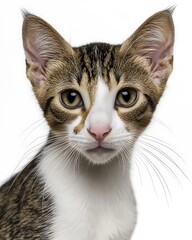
<point>154,41</point>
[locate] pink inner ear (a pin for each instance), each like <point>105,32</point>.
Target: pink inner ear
<point>164,51</point>
<point>37,65</point>
<point>154,41</point>
<point>33,55</point>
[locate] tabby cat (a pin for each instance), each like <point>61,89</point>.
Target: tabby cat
<point>97,100</point>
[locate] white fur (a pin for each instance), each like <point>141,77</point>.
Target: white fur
<point>103,99</point>
<point>93,202</point>
<point>89,211</point>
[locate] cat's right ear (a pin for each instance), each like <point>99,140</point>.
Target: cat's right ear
<point>42,45</point>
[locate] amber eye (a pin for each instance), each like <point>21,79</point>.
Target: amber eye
<point>71,99</point>
<point>126,97</point>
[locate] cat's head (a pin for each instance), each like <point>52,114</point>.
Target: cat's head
<point>99,97</point>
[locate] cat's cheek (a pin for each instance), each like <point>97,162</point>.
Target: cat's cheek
<point>136,124</point>
<point>118,126</point>
<point>73,125</point>
<point>123,128</point>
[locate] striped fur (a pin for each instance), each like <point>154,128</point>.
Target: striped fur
<point>35,203</point>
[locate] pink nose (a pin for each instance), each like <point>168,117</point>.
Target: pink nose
<point>99,133</point>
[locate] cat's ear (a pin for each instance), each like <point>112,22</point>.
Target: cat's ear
<point>154,41</point>
<point>42,44</point>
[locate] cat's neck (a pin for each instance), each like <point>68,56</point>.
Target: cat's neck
<point>91,196</point>
<point>61,167</point>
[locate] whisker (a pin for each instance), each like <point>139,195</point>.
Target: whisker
<point>165,156</point>
<point>162,143</point>
<point>157,120</point>
<point>149,174</point>
<point>138,170</point>
<point>33,129</point>
<point>162,163</point>
<point>17,176</point>
<point>32,125</point>
<point>32,183</point>
<point>162,181</point>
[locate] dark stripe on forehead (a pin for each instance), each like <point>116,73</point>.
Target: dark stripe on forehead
<point>88,61</point>
<point>96,58</point>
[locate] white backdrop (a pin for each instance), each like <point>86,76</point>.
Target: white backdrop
<point>22,128</point>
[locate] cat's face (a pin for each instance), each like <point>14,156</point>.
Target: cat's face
<point>99,97</point>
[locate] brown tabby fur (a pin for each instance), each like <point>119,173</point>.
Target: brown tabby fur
<point>25,210</point>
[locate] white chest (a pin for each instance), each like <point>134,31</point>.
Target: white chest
<point>97,221</point>
<point>88,212</point>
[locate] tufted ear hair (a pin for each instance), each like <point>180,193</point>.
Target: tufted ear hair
<point>154,41</point>
<point>42,44</point>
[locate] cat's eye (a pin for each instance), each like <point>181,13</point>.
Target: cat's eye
<point>126,97</point>
<point>71,99</point>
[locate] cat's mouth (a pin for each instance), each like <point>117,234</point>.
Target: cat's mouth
<point>100,150</point>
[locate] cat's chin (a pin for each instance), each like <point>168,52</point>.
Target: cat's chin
<point>100,155</point>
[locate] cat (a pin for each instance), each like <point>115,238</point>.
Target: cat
<point>97,100</point>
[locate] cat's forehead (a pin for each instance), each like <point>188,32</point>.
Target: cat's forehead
<point>104,61</point>
<point>97,60</point>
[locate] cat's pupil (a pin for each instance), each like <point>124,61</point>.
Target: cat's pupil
<point>125,96</point>
<point>71,97</point>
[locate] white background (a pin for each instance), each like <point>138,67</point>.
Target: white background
<point>22,128</point>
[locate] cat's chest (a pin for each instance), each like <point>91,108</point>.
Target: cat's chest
<point>95,219</point>
<point>83,211</point>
